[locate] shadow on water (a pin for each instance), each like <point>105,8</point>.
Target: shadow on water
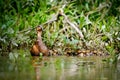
<point>58,68</point>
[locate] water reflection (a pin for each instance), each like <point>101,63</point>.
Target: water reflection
<point>73,68</point>
<point>58,68</point>
<point>37,71</point>
<point>20,69</point>
<point>118,69</point>
<point>37,63</point>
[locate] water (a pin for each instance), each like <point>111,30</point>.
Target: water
<point>57,68</point>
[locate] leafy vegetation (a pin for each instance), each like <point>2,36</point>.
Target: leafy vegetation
<point>98,21</point>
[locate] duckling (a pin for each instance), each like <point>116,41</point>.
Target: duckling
<point>39,46</point>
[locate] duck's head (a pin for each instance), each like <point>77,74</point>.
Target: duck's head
<point>39,28</point>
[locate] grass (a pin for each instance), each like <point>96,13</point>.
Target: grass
<point>98,24</point>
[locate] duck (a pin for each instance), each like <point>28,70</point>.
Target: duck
<point>39,47</point>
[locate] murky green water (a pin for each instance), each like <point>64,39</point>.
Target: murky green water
<point>57,68</point>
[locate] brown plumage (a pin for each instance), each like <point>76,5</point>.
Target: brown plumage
<point>39,46</point>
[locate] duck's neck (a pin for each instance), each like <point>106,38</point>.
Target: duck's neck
<point>39,36</point>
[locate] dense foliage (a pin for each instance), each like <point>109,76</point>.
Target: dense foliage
<point>99,21</point>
